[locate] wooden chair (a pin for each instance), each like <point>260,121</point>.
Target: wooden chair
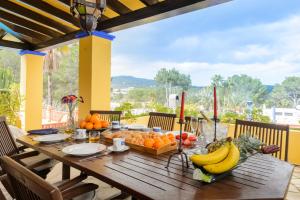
<point>33,160</point>
<point>108,115</point>
<point>267,133</point>
<point>163,120</point>
<point>188,128</point>
<point>28,186</point>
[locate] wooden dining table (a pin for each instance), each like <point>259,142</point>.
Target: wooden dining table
<point>145,176</point>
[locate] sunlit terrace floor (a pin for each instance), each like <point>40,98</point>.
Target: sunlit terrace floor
<point>293,193</point>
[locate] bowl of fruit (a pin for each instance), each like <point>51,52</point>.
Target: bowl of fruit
<point>93,123</point>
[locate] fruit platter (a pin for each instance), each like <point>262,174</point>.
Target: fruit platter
<point>149,142</point>
<point>93,123</point>
<point>226,154</point>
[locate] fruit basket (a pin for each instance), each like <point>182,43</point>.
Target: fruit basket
<point>94,123</point>
<point>148,142</point>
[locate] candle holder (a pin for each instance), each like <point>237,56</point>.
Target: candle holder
<point>180,151</point>
<point>216,120</point>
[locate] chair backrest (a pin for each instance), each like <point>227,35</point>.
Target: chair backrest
<point>8,145</point>
<point>27,185</point>
<point>188,128</point>
<point>163,120</point>
<point>268,133</point>
<point>108,115</point>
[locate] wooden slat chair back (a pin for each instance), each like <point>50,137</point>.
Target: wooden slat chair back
<point>188,128</point>
<point>27,185</point>
<point>164,120</point>
<point>108,115</point>
<point>268,133</point>
<point>8,145</point>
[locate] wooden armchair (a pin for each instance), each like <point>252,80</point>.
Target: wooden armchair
<point>267,133</point>
<point>108,115</point>
<point>164,120</point>
<point>27,185</point>
<point>33,160</point>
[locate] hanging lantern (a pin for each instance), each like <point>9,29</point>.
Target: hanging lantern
<point>88,12</point>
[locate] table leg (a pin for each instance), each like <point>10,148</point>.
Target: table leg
<point>66,172</point>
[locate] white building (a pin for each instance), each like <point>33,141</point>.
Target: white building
<point>283,115</point>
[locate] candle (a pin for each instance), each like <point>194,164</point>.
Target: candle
<point>182,107</point>
<point>215,103</point>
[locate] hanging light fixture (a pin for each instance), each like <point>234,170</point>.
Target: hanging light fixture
<point>88,12</point>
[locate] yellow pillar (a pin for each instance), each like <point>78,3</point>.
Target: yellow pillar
<point>94,72</point>
<point>32,88</point>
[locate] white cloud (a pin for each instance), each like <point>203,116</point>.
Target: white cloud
<point>268,51</point>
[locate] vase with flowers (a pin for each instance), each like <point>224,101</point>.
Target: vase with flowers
<point>71,101</point>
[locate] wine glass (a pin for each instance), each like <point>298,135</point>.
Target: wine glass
<point>194,124</point>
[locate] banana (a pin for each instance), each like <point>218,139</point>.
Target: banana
<point>228,163</point>
<point>211,158</point>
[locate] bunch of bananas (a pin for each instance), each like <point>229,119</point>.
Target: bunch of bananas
<point>221,160</point>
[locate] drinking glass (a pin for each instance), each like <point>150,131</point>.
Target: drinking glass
<point>194,124</point>
<point>94,136</point>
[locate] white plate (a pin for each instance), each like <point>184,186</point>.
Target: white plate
<point>84,149</point>
<point>79,138</point>
<point>136,127</point>
<point>125,148</point>
<point>51,138</point>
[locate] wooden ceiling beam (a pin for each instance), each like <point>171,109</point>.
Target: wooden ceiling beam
<point>15,8</point>
<point>28,24</point>
<point>159,11</point>
<point>25,31</point>
<point>15,45</point>
<point>149,2</point>
<point>46,7</point>
<point>118,7</point>
<point>2,33</point>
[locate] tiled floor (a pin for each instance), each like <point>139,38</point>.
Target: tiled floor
<point>293,193</point>
<point>294,189</point>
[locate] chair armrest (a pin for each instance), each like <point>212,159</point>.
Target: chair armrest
<point>72,182</point>
<point>5,182</point>
<point>24,155</point>
<point>22,148</point>
<point>37,164</point>
<point>78,190</point>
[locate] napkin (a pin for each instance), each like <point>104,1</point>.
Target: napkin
<point>47,131</point>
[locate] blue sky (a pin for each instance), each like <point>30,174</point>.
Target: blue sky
<point>260,38</point>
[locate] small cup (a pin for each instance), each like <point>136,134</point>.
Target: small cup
<point>115,125</point>
<point>157,129</point>
<point>80,134</point>
<point>118,144</point>
<point>94,136</point>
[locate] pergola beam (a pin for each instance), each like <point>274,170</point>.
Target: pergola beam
<point>28,24</point>
<point>46,7</point>
<point>159,11</point>
<point>118,7</point>
<point>149,2</point>
<point>15,8</point>
<point>15,45</point>
<point>2,33</point>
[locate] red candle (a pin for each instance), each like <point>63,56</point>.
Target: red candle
<point>182,107</point>
<point>215,103</point>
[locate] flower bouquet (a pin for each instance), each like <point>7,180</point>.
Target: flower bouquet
<point>71,101</point>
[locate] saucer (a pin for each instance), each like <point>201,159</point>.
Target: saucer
<point>125,148</point>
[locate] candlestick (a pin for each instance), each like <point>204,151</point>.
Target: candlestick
<point>182,107</point>
<point>215,103</point>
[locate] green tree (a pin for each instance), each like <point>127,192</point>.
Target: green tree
<point>6,78</point>
<point>286,94</point>
<point>172,79</point>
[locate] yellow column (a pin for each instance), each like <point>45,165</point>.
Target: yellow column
<point>32,88</point>
<point>94,72</point>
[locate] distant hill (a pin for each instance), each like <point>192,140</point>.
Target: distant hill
<point>119,82</point>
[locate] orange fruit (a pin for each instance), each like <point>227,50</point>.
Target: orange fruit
<point>171,136</point>
<point>95,118</point>
<point>105,124</point>
<point>167,140</point>
<point>82,124</point>
<point>149,142</point>
<point>158,143</point>
<point>89,125</point>
<point>98,125</point>
<point>88,118</point>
